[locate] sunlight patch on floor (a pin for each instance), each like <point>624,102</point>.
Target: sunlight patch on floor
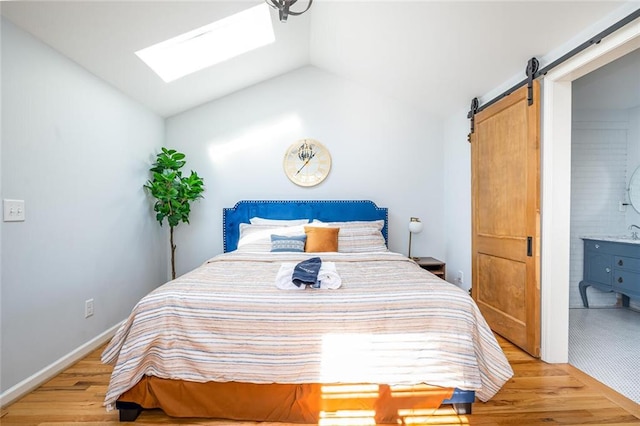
<point>347,418</point>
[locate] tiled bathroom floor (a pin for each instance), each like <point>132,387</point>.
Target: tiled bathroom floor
<point>605,344</point>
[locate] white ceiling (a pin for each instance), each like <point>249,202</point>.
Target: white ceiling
<point>614,86</point>
<point>433,55</point>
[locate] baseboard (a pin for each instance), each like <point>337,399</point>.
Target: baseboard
<point>47,373</point>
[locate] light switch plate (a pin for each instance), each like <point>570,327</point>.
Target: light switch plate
<point>13,210</point>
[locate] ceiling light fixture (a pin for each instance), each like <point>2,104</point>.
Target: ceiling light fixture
<point>283,8</point>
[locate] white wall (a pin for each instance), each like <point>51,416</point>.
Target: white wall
<point>382,150</point>
<point>77,151</point>
<point>457,198</point>
<point>598,185</point>
<point>633,161</point>
<point>1,138</point>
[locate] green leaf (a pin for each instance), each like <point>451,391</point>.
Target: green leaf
<point>173,191</point>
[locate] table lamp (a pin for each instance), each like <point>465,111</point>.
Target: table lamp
<point>415,227</point>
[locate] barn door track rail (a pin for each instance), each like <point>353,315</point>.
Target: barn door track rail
<point>532,72</point>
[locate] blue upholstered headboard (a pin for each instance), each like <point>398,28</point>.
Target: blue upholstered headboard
<point>324,210</point>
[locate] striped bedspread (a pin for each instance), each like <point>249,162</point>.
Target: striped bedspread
<point>391,322</point>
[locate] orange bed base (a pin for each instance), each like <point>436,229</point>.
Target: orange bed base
<point>291,403</point>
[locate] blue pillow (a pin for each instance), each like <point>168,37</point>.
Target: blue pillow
<point>280,243</point>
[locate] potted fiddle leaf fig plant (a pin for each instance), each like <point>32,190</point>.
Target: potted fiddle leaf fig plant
<point>173,192</point>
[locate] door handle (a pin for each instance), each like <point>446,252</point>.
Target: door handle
<point>529,246</point>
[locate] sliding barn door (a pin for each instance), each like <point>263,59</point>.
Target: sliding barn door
<point>505,156</point>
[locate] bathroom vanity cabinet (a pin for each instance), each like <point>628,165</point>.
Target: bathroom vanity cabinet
<point>611,264</point>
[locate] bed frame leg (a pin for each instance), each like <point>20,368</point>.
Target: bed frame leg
<point>129,411</point>
<point>462,408</point>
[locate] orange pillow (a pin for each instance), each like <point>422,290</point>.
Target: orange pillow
<point>320,239</point>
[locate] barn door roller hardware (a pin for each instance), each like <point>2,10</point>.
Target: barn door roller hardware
<point>532,69</point>
<point>533,72</point>
<point>471,115</point>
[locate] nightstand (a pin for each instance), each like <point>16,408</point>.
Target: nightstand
<point>433,265</point>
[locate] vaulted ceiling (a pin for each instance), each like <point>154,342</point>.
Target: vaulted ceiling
<point>433,55</point>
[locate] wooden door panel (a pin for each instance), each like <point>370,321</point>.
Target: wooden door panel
<point>505,155</point>
<point>506,281</point>
<point>515,248</point>
<point>517,331</point>
<point>501,296</point>
<point>501,202</point>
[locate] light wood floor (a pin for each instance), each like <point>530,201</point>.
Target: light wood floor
<point>539,393</point>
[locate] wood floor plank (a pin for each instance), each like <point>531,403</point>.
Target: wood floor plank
<point>538,394</point>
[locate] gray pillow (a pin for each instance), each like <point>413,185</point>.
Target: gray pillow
<point>283,243</point>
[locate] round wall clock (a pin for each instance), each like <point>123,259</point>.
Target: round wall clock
<point>307,162</point>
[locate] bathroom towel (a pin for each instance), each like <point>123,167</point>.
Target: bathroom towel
<point>306,272</point>
<point>328,277</point>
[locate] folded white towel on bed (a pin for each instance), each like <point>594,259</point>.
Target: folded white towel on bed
<point>283,278</point>
<point>327,276</point>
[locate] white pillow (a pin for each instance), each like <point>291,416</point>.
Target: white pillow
<point>378,224</point>
<point>358,236</point>
<point>279,222</point>
<point>257,238</point>
<point>360,240</point>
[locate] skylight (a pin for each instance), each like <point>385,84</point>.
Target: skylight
<point>211,44</point>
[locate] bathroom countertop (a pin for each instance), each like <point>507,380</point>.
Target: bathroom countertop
<point>613,238</point>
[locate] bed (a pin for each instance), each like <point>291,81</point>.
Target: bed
<point>227,341</point>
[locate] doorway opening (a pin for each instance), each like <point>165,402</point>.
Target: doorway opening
<point>605,152</point>
<point>556,185</point>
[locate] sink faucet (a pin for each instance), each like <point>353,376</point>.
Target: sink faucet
<point>634,234</point>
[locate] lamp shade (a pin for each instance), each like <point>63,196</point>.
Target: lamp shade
<point>415,226</point>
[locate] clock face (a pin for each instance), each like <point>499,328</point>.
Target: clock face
<point>307,162</point>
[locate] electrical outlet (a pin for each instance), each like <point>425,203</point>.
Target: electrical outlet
<point>88,308</point>
<point>460,277</point>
